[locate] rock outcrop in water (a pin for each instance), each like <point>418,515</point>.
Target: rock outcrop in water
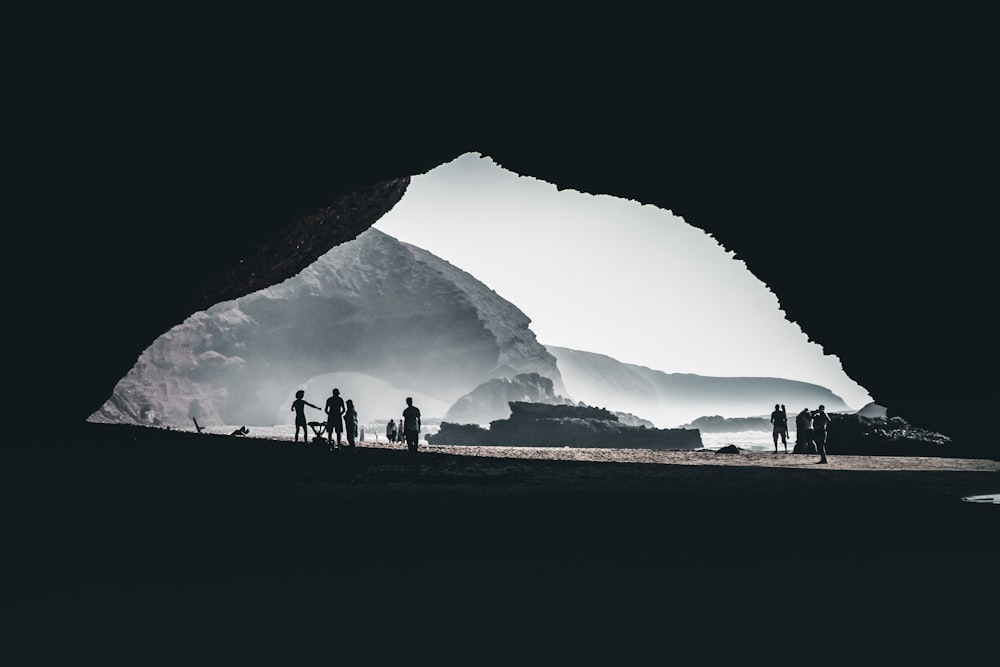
<point>543,425</point>
<point>717,424</point>
<point>375,306</point>
<point>491,400</point>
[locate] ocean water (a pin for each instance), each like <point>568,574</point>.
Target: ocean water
<point>749,440</point>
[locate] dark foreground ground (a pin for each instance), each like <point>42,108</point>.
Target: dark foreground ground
<point>136,541</point>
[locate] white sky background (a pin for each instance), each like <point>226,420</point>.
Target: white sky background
<point>608,275</point>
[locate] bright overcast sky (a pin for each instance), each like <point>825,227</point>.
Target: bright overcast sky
<point>608,275</point>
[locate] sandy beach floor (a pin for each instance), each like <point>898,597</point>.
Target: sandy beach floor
<point>708,457</point>
<point>120,525</point>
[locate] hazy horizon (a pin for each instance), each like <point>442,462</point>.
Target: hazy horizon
<point>610,276</point>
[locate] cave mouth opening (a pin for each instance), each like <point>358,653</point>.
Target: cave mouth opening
<point>594,274</point>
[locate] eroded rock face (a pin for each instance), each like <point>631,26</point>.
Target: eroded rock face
<point>373,306</point>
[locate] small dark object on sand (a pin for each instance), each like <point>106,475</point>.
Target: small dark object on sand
<point>728,449</point>
<point>242,430</point>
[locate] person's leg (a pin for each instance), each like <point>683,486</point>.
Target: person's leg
<point>821,446</point>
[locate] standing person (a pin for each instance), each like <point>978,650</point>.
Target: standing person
<point>784,413</point>
<point>411,426</point>
<point>351,424</point>
<point>820,421</point>
<point>335,410</point>
<point>390,430</point>
<point>804,432</point>
<point>299,408</point>
<point>779,420</point>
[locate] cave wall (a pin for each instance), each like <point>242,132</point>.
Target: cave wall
<point>855,190</point>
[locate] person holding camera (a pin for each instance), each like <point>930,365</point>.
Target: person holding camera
<point>820,421</point>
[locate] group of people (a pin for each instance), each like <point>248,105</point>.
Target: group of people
<point>342,421</point>
<point>408,429</point>
<point>810,430</point>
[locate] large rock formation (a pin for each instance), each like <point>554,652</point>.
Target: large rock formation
<point>545,425</point>
<point>490,400</point>
<point>381,318</point>
<point>855,434</point>
<point>672,399</point>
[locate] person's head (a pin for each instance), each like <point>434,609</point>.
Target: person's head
<point>336,392</point>
<point>822,407</point>
<point>777,407</point>
<point>409,400</point>
<point>300,393</point>
<point>350,403</point>
<point>782,406</point>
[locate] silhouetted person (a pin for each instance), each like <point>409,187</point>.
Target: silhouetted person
<point>411,426</point>
<point>335,410</point>
<point>785,413</point>
<point>242,430</point>
<point>804,432</point>
<point>820,420</point>
<point>351,423</point>
<point>299,408</point>
<point>390,430</point>
<point>779,420</point>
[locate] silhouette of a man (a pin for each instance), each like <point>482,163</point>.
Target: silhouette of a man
<point>299,408</point>
<point>335,410</point>
<point>411,426</point>
<point>780,421</point>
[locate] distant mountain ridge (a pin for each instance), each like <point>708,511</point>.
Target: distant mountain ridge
<point>673,399</point>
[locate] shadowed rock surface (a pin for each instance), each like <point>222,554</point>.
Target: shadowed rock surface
<point>880,436</point>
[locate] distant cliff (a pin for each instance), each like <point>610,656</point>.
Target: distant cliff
<point>669,399</point>
<point>392,317</point>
